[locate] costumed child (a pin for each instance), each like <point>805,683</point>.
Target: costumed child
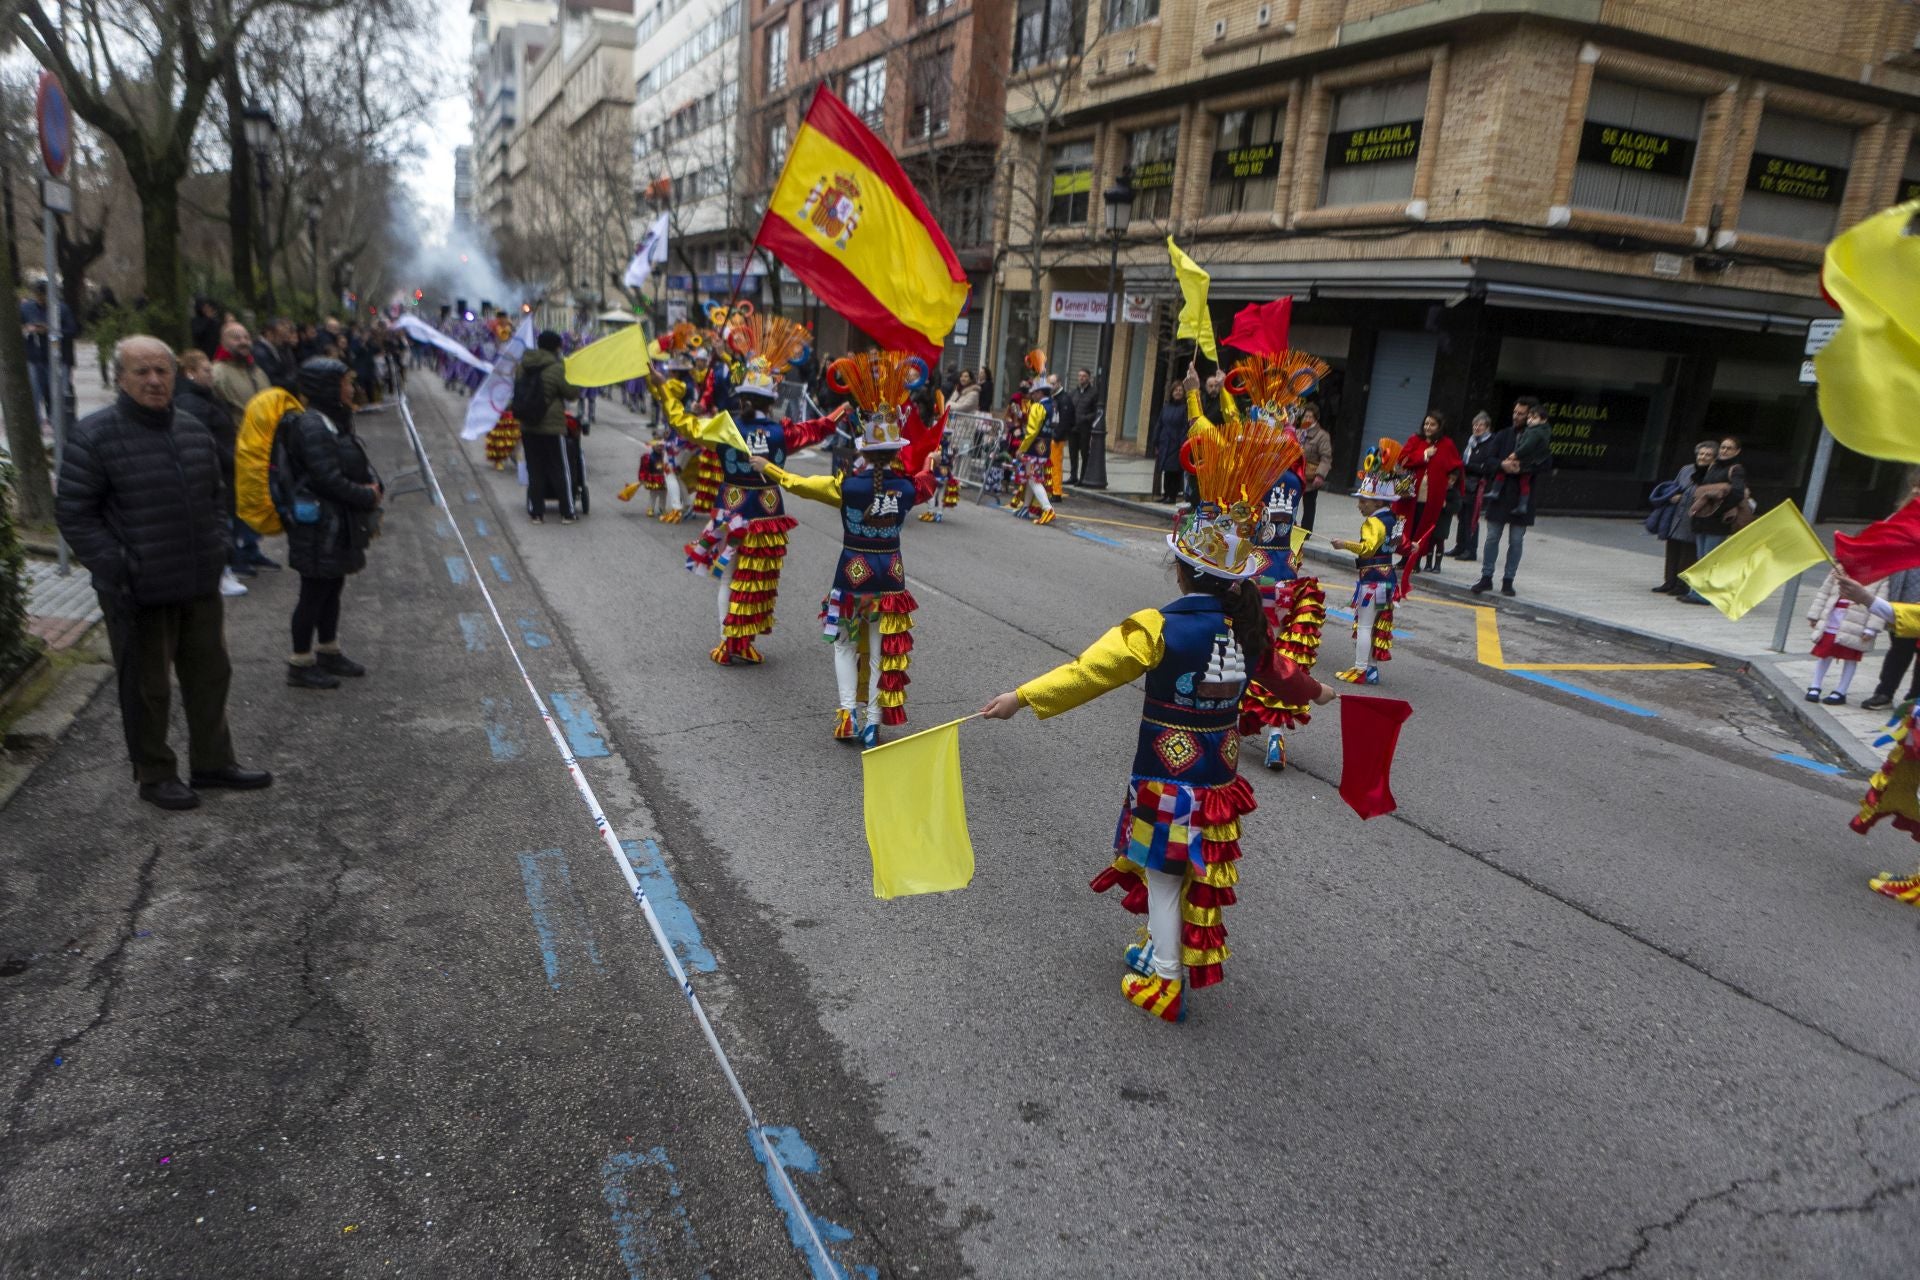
<point>1178,843</point>
<point>1036,445</point>
<point>1845,633</point>
<point>669,380</point>
<point>652,475</point>
<point>946,481</point>
<point>746,542</point>
<point>868,612</point>
<point>712,384</point>
<point>1381,485</point>
<point>503,437</point>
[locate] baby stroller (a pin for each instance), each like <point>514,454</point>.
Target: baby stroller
<point>576,463</point>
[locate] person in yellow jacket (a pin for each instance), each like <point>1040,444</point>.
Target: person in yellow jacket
<point>1894,791</point>
<point>1036,470</point>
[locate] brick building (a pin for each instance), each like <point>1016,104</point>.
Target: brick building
<point>929,76</point>
<point>1619,206</point>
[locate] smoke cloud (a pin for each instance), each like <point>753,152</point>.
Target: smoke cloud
<point>454,261</point>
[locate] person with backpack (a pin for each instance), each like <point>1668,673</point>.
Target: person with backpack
<point>540,393</point>
<point>328,496</point>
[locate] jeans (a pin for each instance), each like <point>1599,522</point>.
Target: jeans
<point>38,376</point>
<point>1516,539</point>
<point>1703,543</point>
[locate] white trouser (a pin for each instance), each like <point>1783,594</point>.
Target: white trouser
<point>846,668</point>
<point>1038,488</point>
<point>675,500</point>
<point>1163,920</point>
<point>726,589</point>
<point>1363,619</point>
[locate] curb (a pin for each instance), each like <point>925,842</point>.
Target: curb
<point>33,734</point>
<point>1756,670</point>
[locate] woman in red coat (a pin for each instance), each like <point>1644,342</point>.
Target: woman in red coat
<point>1435,464</point>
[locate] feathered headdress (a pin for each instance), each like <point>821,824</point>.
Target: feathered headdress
<point>678,343</point>
<point>1276,384</point>
<point>880,383</point>
<point>1380,476</point>
<point>768,344</point>
<point>1234,464</point>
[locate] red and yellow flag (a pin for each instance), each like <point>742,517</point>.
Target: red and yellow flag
<point>847,221</point>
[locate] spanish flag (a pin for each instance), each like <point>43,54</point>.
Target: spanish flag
<point>845,219</point>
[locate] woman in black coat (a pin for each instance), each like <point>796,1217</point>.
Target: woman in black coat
<point>1170,433</point>
<point>332,499</point>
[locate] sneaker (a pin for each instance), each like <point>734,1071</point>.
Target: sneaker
<point>312,677</point>
<point>230,585</point>
<point>869,737</point>
<point>1481,587</point>
<point>338,664</point>
<point>1277,753</point>
<point>1835,699</point>
<point>1139,956</point>
<point>567,519</point>
<point>1878,702</point>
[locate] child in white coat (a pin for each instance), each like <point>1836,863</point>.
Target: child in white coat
<point>1844,632</point>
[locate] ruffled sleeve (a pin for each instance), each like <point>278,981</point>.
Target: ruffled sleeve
<point>1118,658</point>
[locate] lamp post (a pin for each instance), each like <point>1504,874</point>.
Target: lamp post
<point>1119,210</point>
<point>258,125</point>
<point>314,206</point>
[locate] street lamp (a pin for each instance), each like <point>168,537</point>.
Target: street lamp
<point>314,206</point>
<point>1119,210</point>
<point>258,125</point>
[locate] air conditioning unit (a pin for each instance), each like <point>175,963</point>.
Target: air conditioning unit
<point>1219,28</point>
<point>1263,15</point>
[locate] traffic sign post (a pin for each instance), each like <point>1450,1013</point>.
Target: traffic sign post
<point>1819,334</point>
<point>56,197</point>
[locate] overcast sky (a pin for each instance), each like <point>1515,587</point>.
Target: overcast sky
<point>449,124</point>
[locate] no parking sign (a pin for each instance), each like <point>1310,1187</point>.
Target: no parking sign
<point>56,124</point>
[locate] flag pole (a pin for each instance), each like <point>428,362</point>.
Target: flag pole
<point>1816,487</point>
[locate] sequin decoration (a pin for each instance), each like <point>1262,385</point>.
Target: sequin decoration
<point>1177,750</point>
<point>858,570</point>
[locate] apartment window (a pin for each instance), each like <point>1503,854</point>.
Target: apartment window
<point>1150,160</point>
<point>1122,14</point>
<point>934,8</point>
<point>862,14</point>
<point>932,95</point>
<point>865,90</point>
<point>1071,170</point>
<point>1374,143</point>
<point>1796,177</point>
<point>1636,151</point>
<point>969,206</point>
<point>777,56</point>
<point>778,139</point>
<point>821,20</point>
<point>1246,160</point>
<point>1045,31</point>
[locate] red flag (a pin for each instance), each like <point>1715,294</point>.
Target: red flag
<point>1369,733</point>
<point>1262,330</point>
<point>1882,549</point>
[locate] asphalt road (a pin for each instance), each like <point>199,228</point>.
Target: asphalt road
<point>1606,996</point>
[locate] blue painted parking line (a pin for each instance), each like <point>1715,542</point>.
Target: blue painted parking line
<point>473,630</point>
<point>797,1157</point>
<point>443,528</point>
<point>623,1180</point>
<point>457,570</point>
<point>502,741</point>
<point>1574,689</point>
<point>471,495</point>
<point>675,916</point>
<point>535,638</point>
<point>480,526</point>
<point>577,723</point>
<point>557,911</point>
<point>1094,537</point>
<point>1817,766</point>
<point>500,571</point>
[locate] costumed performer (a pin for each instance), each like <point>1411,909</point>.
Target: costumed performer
<point>746,541</point>
<point>670,381</point>
<point>946,481</point>
<point>1178,842</point>
<point>713,393</point>
<point>1382,484</point>
<point>1036,445</point>
<point>1894,791</point>
<point>868,612</point>
<point>503,437</point>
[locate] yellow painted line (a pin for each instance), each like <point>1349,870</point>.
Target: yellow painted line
<point>1486,630</point>
<point>1607,666</point>
<point>1118,524</point>
<point>1487,635</point>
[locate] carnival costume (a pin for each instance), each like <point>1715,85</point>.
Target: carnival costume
<point>1178,842</point>
<point>1378,585</point>
<point>1035,452</point>
<point>745,543</point>
<point>503,437</point>
<point>946,481</point>
<point>867,615</point>
<point>713,386</point>
<point>670,382</point>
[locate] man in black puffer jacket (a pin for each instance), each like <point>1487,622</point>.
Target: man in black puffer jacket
<point>142,504</point>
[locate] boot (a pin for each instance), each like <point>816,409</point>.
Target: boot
<point>308,675</point>
<point>1481,587</point>
<point>336,663</point>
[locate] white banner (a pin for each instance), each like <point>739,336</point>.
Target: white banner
<point>651,253</point>
<point>1091,308</point>
<point>491,398</point>
<point>414,327</point>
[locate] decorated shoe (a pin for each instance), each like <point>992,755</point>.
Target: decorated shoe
<point>843,726</point>
<point>749,655</point>
<point>720,655</point>
<point>869,737</point>
<point>1161,997</point>
<point>1276,753</point>
<point>1046,517</point>
<point>927,517</point>
<point>1352,675</point>
<point>1900,888</point>
<point>1139,956</point>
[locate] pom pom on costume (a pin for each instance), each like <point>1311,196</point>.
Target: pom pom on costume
<point>502,439</point>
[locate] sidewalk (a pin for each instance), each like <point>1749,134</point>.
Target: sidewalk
<point>1600,573</point>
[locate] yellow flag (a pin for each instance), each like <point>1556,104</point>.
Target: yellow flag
<point>1870,372</point>
<point>917,814</point>
<point>1748,567</point>
<point>1298,539</point>
<point>720,429</point>
<point>615,358</point>
<point>1195,323</point>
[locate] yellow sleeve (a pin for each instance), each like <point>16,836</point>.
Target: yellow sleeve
<point>1372,534</point>
<point>1906,619</point>
<point>1036,419</point>
<point>673,403</point>
<point>1194,415</point>
<point>1229,407</point>
<point>820,488</point>
<point>1117,658</point>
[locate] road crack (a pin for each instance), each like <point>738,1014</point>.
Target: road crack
<point>1645,1234</point>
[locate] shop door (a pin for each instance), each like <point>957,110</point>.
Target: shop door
<point>1075,346</point>
<point>1401,382</point>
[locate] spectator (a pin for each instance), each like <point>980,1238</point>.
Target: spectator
<point>542,439</point>
<point>1844,631</point>
<point>1719,505</point>
<point>966,393</point>
<point>1672,519</point>
<point>1901,588</point>
<point>1316,460</point>
<point>273,353</point>
<point>332,498</point>
<point>205,326</point>
<point>140,503</point>
<point>1170,434</point>
<point>986,390</point>
<point>1086,410</point>
<point>1477,467</point>
<point>364,361</point>
<point>236,381</point>
<point>36,327</point>
<point>1434,462</point>
<point>1525,450</point>
<point>194,396</point>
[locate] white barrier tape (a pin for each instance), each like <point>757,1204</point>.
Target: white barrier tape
<point>612,840</point>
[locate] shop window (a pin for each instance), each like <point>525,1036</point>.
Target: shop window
<point>1071,170</point>
<point>777,56</point>
<point>1122,14</point>
<point>862,14</point>
<point>865,90</point>
<point>1046,31</point>
<point>1374,143</point>
<point>932,95</point>
<point>1150,160</point>
<point>1246,160</point>
<point>1636,151</point>
<point>1909,177</point>
<point>1796,177</point>
<point>1606,403</point>
<point>821,20</point>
